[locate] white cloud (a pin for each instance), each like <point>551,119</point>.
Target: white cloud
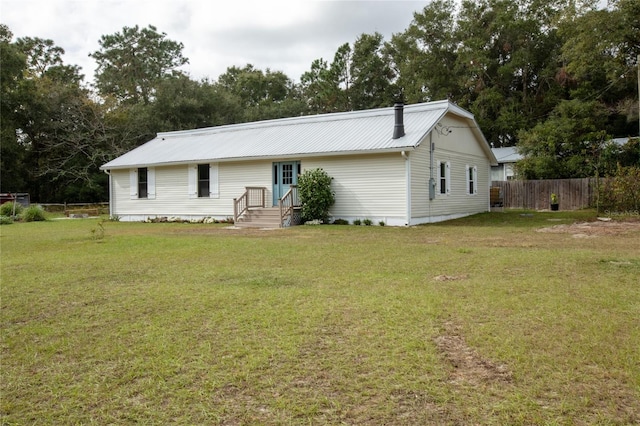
<point>280,35</point>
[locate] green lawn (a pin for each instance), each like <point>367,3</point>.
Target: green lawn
<point>484,320</point>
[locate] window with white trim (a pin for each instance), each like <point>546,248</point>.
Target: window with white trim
<point>142,183</point>
<point>444,177</point>
<point>472,179</point>
<point>203,181</point>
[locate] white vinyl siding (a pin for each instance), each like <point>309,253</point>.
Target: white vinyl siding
<point>460,150</point>
<point>420,175</point>
<point>214,184</point>
<point>173,190</point>
<point>366,186</point>
<point>459,202</point>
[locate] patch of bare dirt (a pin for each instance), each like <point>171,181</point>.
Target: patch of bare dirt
<point>229,230</point>
<point>416,407</point>
<point>468,366</point>
<point>442,278</point>
<point>593,229</point>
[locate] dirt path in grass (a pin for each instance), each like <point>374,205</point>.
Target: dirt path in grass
<point>468,366</point>
<point>594,229</point>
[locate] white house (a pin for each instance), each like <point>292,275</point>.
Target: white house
<point>403,165</point>
<point>507,158</point>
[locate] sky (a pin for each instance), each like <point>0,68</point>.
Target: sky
<point>276,34</point>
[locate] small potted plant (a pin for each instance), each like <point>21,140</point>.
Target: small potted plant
<point>554,202</point>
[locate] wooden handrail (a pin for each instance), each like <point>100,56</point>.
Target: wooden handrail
<point>254,196</point>
<point>239,206</point>
<point>287,203</point>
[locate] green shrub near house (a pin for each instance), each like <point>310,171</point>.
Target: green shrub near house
<point>316,196</point>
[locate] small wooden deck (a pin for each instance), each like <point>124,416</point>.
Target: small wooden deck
<point>250,210</point>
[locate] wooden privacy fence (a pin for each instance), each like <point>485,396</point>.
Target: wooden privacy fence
<point>573,194</point>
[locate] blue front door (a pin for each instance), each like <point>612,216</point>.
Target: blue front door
<point>285,174</point>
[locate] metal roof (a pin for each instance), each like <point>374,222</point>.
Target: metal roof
<point>326,134</point>
<point>507,154</point>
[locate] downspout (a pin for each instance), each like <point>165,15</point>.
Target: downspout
<point>432,180</point>
<point>489,183</point>
<point>407,169</point>
<point>111,214</point>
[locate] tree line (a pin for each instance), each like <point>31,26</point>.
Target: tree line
<point>554,78</point>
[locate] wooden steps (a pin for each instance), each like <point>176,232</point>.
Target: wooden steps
<point>268,217</point>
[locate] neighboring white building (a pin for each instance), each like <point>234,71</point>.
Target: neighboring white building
<point>402,165</point>
<point>507,158</point>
